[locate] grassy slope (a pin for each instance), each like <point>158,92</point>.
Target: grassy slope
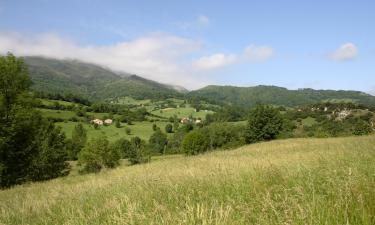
<point>181,112</point>
<point>297,181</point>
<point>140,129</point>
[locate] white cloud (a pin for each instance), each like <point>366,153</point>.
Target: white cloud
<point>203,20</point>
<point>250,54</point>
<point>345,52</point>
<point>214,61</point>
<point>261,53</point>
<point>159,57</point>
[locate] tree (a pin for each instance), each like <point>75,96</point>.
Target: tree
<point>14,80</point>
<point>97,154</point>
<point>117,123</point>
<point>138,151</point>
<point>362,128</point>
<point>49,162</point>
<point>158,141</point>
<point>195,142</point>
<point>78,141</point>
<point>31,148</point>
<point>123,147</point>
<point>169,128</point>
<point>264,123</point>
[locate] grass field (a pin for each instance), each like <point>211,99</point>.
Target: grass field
<point>181,112</point>
<point>66,114</point>
<point>296,181</point>
<point>140,129</point>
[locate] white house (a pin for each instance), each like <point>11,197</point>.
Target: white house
<point>97,121</point>
<point>108,121</point>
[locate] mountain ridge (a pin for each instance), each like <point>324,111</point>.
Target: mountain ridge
<point>100,83</point>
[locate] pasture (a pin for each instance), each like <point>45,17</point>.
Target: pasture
<point>295,181</point>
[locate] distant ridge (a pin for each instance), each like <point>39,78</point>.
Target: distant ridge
<point>98,83</point>
<point>92,81</point>
<point>248,96</point>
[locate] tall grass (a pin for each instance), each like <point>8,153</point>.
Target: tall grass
<point>296,181</point>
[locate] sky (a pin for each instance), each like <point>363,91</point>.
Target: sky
<point>316,44</point>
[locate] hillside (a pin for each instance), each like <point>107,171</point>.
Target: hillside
<point>91,81</point>
<point>298,181</point>
<point>248,96</point>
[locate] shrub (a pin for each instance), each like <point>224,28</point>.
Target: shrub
<point>123,147</point>
<point>118,124</point>
<point>158,141</point>
<point>98,154</point>
<point>195,142</point>
<point>169,128</point>
<point>362,128</point>
<point>138,152</point>
<point>78,141</point>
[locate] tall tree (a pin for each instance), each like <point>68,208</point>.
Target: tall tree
<point>31,148</point>
<point>264,123</point>
<point>78,141</point>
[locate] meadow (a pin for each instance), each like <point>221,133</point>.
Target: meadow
<point>141,129</point>
<point>294,181</point>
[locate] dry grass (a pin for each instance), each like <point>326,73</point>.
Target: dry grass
<point>297,181</point>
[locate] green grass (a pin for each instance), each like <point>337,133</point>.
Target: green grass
<point>296,181</point>
<point>131,101</point>
<point>51,102</point>
<point>140,129</point>
<point>309,121</point>
<point>181,112</point>
<point>65,114</point>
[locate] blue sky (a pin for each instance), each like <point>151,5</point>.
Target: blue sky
<point>295,44</point>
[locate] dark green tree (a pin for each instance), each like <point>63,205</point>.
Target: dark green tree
<point>117,123</point>
<point>169,128</point>
<point>158,141</point>
<point>138,151</point>
<point>362,128</point>
<point>78,141</point>
<point>31,148</point>
<point>195,142</point>
<point>98,154</point>
<point>123,147</point>
<point>264,123</point>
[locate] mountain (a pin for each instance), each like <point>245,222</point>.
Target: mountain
<point>248,96</point>
<point>92,81</point>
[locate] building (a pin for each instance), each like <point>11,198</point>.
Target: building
<point>97,121</point>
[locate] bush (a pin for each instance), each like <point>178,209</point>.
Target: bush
<point>128,131</point>
<point>169,128</point>
<point>138,152</point>
<point>123,147</point>
<point>158,141</point>
<point>264,123</point>
<point>224,135</point>
<point>362,128</point>
<point>98,154</point>
<point>77,142</point>
<point>195,142</point>
<point>117,123</point>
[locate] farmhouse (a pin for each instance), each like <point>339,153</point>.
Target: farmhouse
<point>185,120</point>
<point>97,121</point>
<point>108,121</point>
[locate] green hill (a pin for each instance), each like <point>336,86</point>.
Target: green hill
<point>295,181</point>
<point>91,81</point>
<point>248,96</point>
